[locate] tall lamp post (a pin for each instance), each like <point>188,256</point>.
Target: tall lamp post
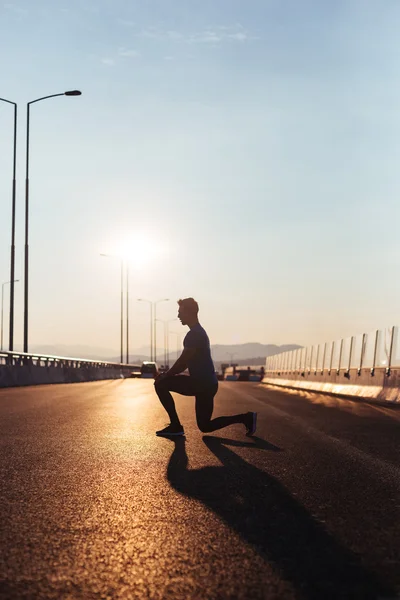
<point>122,303</point>
<point>155,331</point>
<point>12,258</point>
<point>127,313</point>
<point>151,324</point>
<point>167,333</point>
<point>26,270</point>
<point>178,341</point>
<point>232,354</point>
<point>166,338</point>
<point>2,307</point>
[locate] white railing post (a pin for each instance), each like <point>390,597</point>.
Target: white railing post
<point>303,369</point>
<point>323,359</point>
<point>392,344</point>
<point>347,374</point>
<point>332,353</point>
<point>363,346</point>
<point>316,361</point>
<point>376,351</point>
<point>340,356</point>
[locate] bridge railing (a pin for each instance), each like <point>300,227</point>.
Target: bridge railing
<point>44,360</point>
<point>377,349</point>
<point>365,365</point>
<point>19,368</point>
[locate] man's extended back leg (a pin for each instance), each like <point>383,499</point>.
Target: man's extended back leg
<point>204,410</point>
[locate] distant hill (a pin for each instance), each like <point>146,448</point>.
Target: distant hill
<point>237,353</point>
<point>78,351</point>
<point>224,353</point>
<point>256,361</point>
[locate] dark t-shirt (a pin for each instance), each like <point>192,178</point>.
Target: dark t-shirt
<point>201,366</point>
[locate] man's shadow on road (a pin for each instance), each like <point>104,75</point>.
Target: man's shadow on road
<point>265,514</point>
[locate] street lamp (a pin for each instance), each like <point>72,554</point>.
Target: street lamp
<point>167,335</point>
<point>166,338</point>
<point>127,313</point>
<point>26,270</point>
<point>2,306</point>
<point>178,341</point>
<point>155,329</point>
<point>151,324</point>
<point>12,258</point>
<point>122,304</point>
<point>232,354</point>
<point>165,343</point>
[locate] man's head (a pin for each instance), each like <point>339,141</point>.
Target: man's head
<point>188,309</point>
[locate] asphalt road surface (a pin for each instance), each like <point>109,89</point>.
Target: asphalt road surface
<point>94,505</point>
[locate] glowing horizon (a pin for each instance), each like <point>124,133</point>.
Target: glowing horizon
<point>243,156</point>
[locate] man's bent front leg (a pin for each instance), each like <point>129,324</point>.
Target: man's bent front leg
<point>167,400</point>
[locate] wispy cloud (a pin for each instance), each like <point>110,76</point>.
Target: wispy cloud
<point>240,36</point>
<point>110,62</point>
<point>18,10</point>
<point>212,35</point>
<point>209,36</point>
<point>128,53</point>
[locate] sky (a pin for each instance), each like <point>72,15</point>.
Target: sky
<point>255,145</point>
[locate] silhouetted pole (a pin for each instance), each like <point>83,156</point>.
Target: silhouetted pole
<point>177,341</point>
<point>231,354</point>
<point>2,308</point>
<point>26,266</point>
<point>151,324</point>
<point>166,343</point>
<point>122,301</point>
<point>155,326</point>
<point>127,313</point>
<point>12,256</point>
<point>122,311</point>
<point>167,337</point>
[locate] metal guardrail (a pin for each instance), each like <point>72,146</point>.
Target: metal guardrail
<point>43,360</point>
<point>376,350</point>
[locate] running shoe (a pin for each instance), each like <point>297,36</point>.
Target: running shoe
<point>171,430</point>
<point>251,423</point>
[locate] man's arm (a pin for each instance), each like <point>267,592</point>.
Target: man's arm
<point>181,363</point>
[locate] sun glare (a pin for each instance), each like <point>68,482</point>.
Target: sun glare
<point>140,250</point>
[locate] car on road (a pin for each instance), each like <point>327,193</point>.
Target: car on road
<point>149,370</point>
<point>136,371</point>
<point>244,373</point>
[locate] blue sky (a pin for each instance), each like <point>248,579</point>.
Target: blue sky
<point>257,142</point>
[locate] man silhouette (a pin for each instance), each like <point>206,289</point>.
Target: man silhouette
<point>202,381</point>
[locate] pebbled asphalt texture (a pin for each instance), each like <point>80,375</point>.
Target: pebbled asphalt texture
<point>94,505</point>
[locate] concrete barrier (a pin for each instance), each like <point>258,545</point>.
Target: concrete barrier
<point>18,369</point>
<point>380,384</point>
<point>11,376</point>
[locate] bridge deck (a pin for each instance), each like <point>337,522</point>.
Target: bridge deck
<point>93,505</point>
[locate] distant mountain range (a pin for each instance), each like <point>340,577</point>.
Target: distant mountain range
<point>238,352</point>
<point>250,353</point>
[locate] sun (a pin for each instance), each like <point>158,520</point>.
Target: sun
<point>140,249</point>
